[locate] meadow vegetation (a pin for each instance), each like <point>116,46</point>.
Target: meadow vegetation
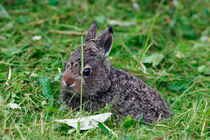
<point>165,43</point>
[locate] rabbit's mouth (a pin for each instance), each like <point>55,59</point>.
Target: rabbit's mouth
<point>67,86</point>
<point>73,88</point>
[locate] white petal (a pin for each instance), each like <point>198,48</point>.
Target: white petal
<point>120,23</point>
<point>36,37</point>
<point>14,106</point>
<point>86,123</point>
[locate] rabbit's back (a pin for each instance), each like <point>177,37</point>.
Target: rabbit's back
<point>134,97</point>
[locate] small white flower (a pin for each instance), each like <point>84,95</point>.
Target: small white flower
<point>204,38</point>
<point>175,3</point>
<point>36,37</point>
<point>120,23</point>
<point>136,6</point>
<point>13,105</point>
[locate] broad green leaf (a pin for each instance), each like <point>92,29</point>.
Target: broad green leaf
<point>154,59</point>
<point>46,90</point>
<point>53,2</point>
<point>129,122</point>
<point>52,109</point>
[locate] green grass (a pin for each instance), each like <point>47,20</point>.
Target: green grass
<point>178,64</point>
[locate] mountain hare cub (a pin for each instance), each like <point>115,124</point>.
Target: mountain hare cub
<point>104,84</point>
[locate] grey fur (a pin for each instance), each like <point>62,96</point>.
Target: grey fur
<point>107,85</point>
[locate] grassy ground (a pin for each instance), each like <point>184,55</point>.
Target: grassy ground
<point>177,64</point>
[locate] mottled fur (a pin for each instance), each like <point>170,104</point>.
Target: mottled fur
<point>108,85</point>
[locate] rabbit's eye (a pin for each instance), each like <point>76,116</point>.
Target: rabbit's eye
<point>86,72</point>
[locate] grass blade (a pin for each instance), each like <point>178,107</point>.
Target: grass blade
<point>103,128</point>
<point>146,46</point>
<point>82,65</point>
<point>4,12</point>
<point>106,129</point>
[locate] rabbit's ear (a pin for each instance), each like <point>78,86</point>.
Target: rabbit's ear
<point>105,40</point>
<point>91,32</point>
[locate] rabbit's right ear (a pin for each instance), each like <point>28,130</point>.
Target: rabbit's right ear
<point>105,40</point>
<point>91,32</point>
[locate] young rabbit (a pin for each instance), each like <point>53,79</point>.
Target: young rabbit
<point>104,84</point>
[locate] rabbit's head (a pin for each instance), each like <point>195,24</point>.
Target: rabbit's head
<point>96,70</point>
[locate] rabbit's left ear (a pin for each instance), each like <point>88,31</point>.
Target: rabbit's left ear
<point>105,40</point>
<point>91,32</point>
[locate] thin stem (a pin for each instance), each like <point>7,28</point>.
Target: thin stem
<point>146,46</point>
<point>82,65</point>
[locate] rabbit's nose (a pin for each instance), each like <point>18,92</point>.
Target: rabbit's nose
<point>69,84</point>
<point>68,81</point>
